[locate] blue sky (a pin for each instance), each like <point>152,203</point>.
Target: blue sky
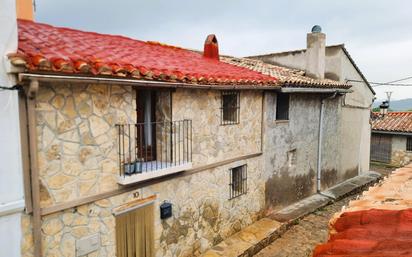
<point>377,33</point>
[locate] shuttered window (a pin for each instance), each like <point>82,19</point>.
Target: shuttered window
<point>135,233</point>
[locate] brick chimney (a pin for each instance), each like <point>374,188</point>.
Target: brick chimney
<point>315,53</point>
<point>211,48</point>
<point>25,9</point>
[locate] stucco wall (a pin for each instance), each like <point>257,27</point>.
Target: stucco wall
<point>76,117</point>
<point>11,181</point>
<point>288,183</point>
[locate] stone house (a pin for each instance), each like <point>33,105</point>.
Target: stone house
<point>392,138</point>
<point>140,148</point>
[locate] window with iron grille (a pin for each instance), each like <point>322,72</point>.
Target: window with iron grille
<point>282,106</point>
<point>409,144</point>
<point>230,107</point>
<point>238,181</point>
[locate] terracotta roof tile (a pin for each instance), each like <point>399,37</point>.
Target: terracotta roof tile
<point>287,77</point>
<point>393,121</point>
<point>47,48</point>
<point>378,224</point>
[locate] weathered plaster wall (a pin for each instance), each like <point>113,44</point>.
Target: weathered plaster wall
<point>400,157</point>
<point>73,117</point>
<point>355,106</point>
<point>288,182</point>
<point>356,126</point>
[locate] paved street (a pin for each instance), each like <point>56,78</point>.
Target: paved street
<point>301,238</point>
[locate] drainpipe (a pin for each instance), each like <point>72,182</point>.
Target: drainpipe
<point>320,137</point>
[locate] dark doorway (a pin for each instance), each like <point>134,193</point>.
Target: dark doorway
<point>146,124</point>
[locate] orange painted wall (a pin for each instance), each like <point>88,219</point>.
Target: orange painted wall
<point>24,9</point>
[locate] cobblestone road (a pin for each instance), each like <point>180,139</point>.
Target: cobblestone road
<point>301,238</point>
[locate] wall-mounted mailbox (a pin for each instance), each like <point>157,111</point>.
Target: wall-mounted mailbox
<point>165,210</point>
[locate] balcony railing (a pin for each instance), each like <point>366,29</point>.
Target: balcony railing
<point>153,149</point>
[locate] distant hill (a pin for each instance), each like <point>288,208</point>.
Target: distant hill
<point>397,105</point>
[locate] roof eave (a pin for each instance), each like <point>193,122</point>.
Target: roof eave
<point>314,89</point>
<point>44,77</point>
<point>401,133</point>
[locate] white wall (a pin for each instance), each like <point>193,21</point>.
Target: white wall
<point>11,182</point>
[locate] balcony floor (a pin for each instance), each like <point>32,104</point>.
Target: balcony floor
<point>152,169</point>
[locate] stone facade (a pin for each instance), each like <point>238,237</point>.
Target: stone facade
<point>77,147</point>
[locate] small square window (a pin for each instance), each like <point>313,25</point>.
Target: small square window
<point>238,181</point>
<point>409,144</point>
<point>282,106</point>
<point>230,108</point>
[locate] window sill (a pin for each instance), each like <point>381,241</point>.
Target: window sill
<point>281,121</point>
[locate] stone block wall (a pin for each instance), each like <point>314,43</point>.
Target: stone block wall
<point>213,142</point>
<point>77,147</point>
<point>77,138</point>
<point>400,156</point>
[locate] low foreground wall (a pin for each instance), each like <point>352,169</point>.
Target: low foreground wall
<point>379,223</point>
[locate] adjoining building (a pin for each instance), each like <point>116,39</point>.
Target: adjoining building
<point>143,148</point>
<point>392,138</point>
<point>337,64</point>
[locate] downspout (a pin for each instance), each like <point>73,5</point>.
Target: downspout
<point>320,137</point>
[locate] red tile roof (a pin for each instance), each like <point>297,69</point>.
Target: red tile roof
<point>43,47</point>
<point>378,224</point>
<point>393,122</point>
<point>376,233</point>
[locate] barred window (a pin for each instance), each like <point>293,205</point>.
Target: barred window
<point>409,144</point>
<point>230,107</point>
<point>238,181</point>
<point>282,106</point>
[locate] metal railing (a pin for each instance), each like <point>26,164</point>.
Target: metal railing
<point>152,146</point>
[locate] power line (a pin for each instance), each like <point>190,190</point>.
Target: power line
<point>410,77</point>
<point>377,84</point>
